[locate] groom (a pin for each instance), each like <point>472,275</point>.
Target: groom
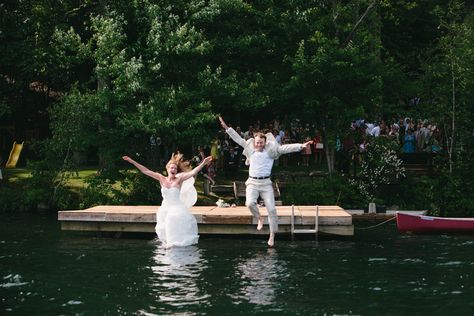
<point>260,152</point>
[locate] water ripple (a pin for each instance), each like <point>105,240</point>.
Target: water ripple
<point>377,259</point>
<point>413,260</point>
<point>12,281</point>
<point>73,302</point>
<point>259,277</point>
<point>450,263</point>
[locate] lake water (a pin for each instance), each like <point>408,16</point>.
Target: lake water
<point>44,271</point>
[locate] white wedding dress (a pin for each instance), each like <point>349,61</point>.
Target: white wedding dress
<point>175,225</point>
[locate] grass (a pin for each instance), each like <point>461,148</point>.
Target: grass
<point>16,175</point>
<point>77,181</point>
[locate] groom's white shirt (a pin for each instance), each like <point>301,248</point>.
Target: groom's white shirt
<point>272,147</point>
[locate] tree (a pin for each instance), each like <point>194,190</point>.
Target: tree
<point>447,83</point>
<point>448,76</point>
<point>325,65</point>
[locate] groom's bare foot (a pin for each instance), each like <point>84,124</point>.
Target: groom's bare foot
<point>271,240</point>
<point>260,223</point>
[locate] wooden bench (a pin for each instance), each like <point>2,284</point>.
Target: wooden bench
<point>222,189</point>
<point>239,192</point>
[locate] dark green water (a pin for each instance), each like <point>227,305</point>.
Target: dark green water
<point>44,271</point>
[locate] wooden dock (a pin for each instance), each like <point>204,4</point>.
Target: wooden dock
<point>332,220</point>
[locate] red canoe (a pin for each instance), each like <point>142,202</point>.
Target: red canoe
<point>429,224</point>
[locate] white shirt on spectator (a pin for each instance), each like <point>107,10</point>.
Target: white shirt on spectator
<point>369,129</point>
<point>376,131</point>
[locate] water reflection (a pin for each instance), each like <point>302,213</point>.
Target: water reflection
<point>175,277</point>
<point>12,281</point>
<point>260,276</point>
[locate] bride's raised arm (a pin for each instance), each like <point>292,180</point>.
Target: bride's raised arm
<point>155,175</point>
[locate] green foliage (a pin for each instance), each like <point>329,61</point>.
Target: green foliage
<point>12,200</point>
<point>323,191</point>
<point>142,190</point>
<point>40,187</point>
<point>100,191</point>
<point>133,188</point>
<point>455,197</point>
<point>380,166</point>
<point>410,193</point>
<point>453,190</point>
<point>74,123</point>
<point>15,200</point>
<point>45,189</point>
<point>448,76</point>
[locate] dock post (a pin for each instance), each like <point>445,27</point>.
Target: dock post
<point>372,208</point>
<point>316,222</point>
<point>292,221</point>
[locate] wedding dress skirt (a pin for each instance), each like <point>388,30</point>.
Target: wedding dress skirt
<point>175,225</point>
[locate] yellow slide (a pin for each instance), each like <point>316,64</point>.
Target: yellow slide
<point>14,155</point>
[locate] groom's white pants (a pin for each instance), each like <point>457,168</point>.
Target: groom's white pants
<point>264,189</point>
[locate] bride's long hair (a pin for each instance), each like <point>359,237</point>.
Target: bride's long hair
<point>178,160</point>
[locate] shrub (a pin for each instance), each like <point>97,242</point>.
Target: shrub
<point>324,191</point>
<point>129,188</point>
<point>379,167</point>
<point>141,189</point>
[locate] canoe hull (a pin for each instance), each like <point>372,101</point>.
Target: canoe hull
<point>429,224</point>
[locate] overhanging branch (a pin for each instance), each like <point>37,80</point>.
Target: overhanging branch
<point>351,34</point>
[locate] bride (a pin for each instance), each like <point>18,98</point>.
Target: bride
<point>175,225</point>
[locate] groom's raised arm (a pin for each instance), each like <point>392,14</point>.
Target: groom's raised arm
<point>233,134</point>
<point>290,148</point>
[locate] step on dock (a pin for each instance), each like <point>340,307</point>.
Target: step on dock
<point>331,220</point>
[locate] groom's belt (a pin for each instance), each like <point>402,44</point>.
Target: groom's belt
<point>259,178</point>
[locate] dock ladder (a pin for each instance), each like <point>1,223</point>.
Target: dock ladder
<point>308,230</point>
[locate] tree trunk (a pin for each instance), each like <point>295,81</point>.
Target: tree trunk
<point>62,177</point>
<point>329,158</point>
<point>453,95</point>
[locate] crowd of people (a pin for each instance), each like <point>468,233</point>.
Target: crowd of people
<point>412,136</point>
